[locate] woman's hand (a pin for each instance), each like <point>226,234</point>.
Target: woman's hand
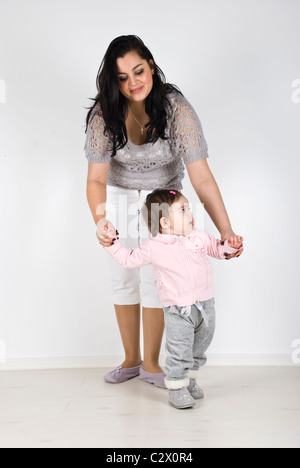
<point>233,241</point>
<point>106,232</point>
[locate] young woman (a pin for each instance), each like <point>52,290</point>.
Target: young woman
<point>141,134</point>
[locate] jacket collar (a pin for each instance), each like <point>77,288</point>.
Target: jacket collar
<point>172,238</point>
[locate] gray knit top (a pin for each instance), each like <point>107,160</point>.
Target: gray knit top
<point>151,165</point>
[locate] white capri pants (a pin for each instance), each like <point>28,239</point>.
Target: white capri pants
<point>130,285</point>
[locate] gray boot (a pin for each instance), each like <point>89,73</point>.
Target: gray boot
<point>195,390</point>
<point>181,398</point>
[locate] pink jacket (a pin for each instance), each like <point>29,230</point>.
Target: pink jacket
<point>182,269</point>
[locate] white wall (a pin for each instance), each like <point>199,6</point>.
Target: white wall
<point>235,60</point>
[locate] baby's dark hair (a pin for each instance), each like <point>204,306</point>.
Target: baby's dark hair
<point>156,206</point>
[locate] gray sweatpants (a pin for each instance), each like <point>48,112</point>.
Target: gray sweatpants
<point>189,332</point>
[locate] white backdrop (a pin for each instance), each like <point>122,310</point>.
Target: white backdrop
<point>237,62</point>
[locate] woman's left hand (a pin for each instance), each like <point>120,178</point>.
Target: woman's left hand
<point>232,238</point>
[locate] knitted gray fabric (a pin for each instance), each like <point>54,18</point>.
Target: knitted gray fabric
<point>152,165</point>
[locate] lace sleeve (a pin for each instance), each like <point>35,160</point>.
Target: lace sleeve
<point>97,144</point>
<point>186,132</point>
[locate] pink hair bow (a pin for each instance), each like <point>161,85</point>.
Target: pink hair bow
<point>172,191</point>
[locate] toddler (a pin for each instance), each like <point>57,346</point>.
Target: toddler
<point>178,253</point>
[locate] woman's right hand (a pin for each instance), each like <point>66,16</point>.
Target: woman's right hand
<point>106,232</point>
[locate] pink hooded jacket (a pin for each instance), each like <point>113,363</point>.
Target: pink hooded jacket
<point>182,269</point>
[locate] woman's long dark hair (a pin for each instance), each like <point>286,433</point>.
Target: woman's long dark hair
<point>113,105</point>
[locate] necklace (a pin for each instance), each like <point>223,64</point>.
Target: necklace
<point>142,126</point>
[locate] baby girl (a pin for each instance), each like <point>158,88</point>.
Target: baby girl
<point>178,253</point>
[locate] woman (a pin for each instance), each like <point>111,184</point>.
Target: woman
<point>140,133</point>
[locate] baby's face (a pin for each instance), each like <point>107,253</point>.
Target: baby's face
<point>181,221</point>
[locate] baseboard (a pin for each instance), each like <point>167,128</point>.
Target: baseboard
<point>250,360</point>
<point>89,362</point>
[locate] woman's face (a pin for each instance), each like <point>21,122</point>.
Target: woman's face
<point>135,77</point>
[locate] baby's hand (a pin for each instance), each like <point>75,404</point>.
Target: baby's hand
<point>106,232</point>
<point>235,241</point>
<point>112,232</point>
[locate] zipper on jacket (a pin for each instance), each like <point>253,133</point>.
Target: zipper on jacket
<point>188,264</point>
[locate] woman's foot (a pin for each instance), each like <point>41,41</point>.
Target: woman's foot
<point>122,374</point>
<point>155,378</point>
<point>128,363</point>
<point>152,368</point>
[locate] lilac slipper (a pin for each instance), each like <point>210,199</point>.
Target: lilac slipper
<point>156,379</point>
<point>122,374</point>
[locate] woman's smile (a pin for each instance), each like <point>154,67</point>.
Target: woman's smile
<point>137,90</point>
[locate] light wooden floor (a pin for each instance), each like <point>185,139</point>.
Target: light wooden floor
<point>243,407</point>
